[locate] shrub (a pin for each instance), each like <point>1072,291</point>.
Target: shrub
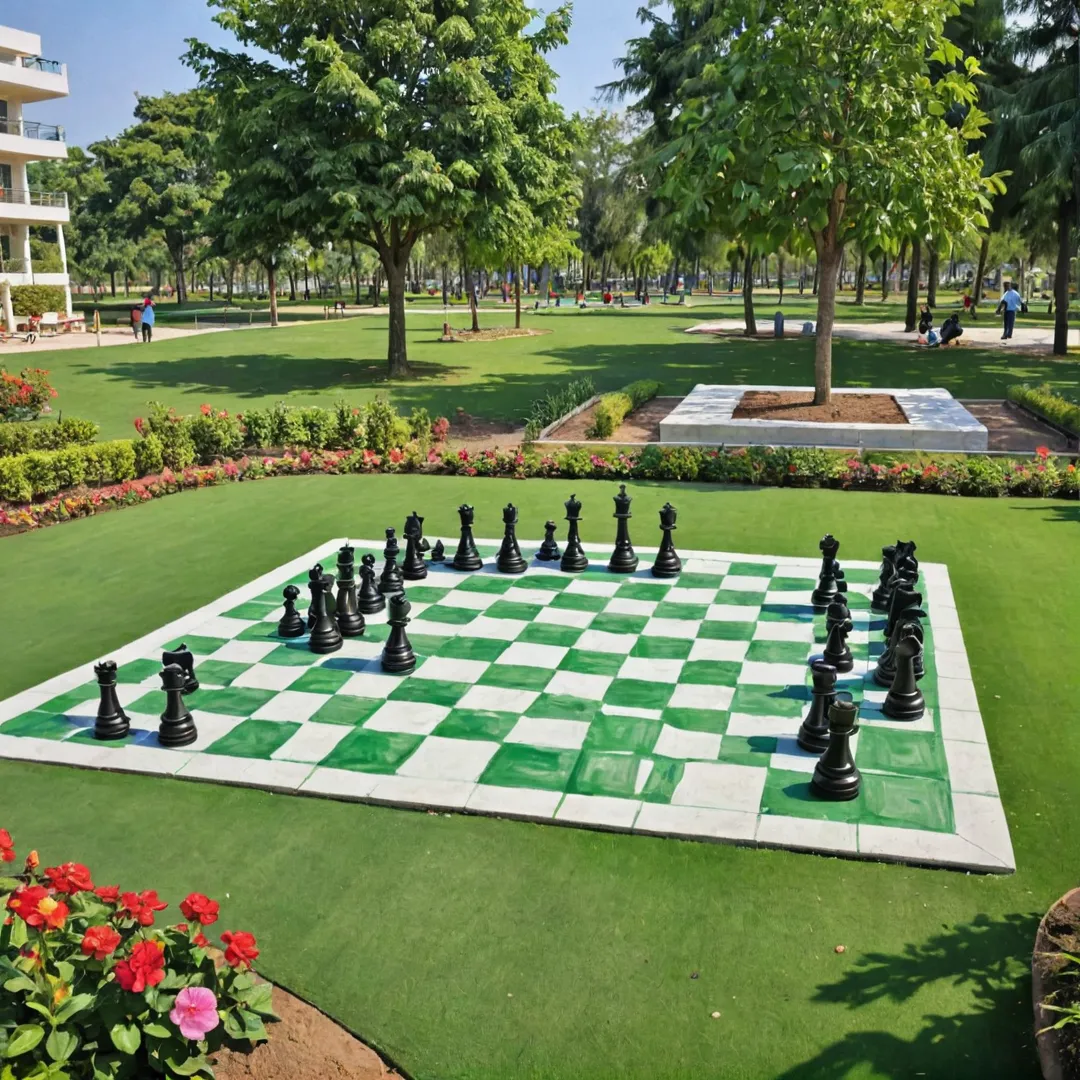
<point>149,455</point>
<point>93,988</point>
<point>258,428</point>
<point>379,421</point>
<point>214,434</point>
<point>350,426</point>
<point>45,472</point>
<point>1043,401</point>
<point>21,438</point>
<point>556,403</point>
<point>37,299</point>
<point>177,445</point>
<point>24,396</point>
<point>612,409</point>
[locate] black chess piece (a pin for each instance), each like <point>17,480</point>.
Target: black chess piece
<point>573,560</point>
<point>510,560</point>
<point>837,652</point>
<point>315,576</point>
<point>835,775</point>
<point>347,615</point>
<point>841,580</point>
<point>177,727</point>
<point>885,671</point>
<point>549,549</point>
<point>391,581</point>
<point>879,600</point>
<point>398,655</point>
<point>414,568</point>
<point>667,563</point>
<point>903,600</point>
<point>827,588</point>
<point>182,656</point>
<point>467,557</point>
<point>369,600</point>
<point>292,623</point>
<point>438,552</point>
<point>325,635</point>
<point>814,731</point>
<point>112,722</point>
<point>904,700</point>
<point>623,558</point>
<point>905,569</point>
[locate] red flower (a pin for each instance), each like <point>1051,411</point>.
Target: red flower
<point>205,410</point>
<point>144,967</point>
<point>100,941</point>
<point>463,454</point>
<point>109,893</point>
<point>69,878</point>
<point>7,850</point>
<point>240,948</point>
<point>396,456</point>
<point>141,907</point>
<point>139,422</point>
<point>37,908</point>
<point>200,909</point>
<point>1042,452</point>
<point>201,940</point>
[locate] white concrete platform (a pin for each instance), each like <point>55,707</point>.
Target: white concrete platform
<point>936,421</point>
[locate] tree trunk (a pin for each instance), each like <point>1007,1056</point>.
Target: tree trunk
<point>271,282</point>
<point>731,278</point>
<point>884,278</point>
<point>211,286</point>
<point>903,263</point>
<point>445,285</point>
<point>1061,278</point>
<point>517,300</point>
<point>840,272</point>
<point>397,353</point>
<point>829,262</point>
<point>860,278</point>
<point>817,277</point>
<point>177,254</point>
<point>112,276</point>
<point>911,319</point>
<point>748,296</point>
<point>230,284</point>
<point>780,273</point>
<point>932,275</point>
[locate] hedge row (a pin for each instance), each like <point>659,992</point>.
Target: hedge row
<point>556,403</point>
<point>21,438</point>
<point>612,409</point>
<point>45,472</point>
<point>1043,400</point>
<point>37,299</point>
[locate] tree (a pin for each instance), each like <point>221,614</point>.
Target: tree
<point>820,114</point>
<point>415,113</point>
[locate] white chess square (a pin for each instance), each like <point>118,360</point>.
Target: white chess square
<point>244,652</point>
<point>785,631</point>
<point>676,743</point>
<point>565,617</point>
<point>623,606</point>
<point>593,588</point>
<point>701,696</point>
<point>539,731</point>
<point>602,641</point>
<point>732,613</point>
<point>370,684</point>
<point>409,717</point>
<point>672,628</point>
<point>720,785</point>
<point>690,596</point>
<point>450,669</point>
<point>718,649</point>
<point>649,670</point>
<point>312,742</point>
<point>221,627</point>
<point>497,699</point>
<point>740,583</point>
<point>493,629</point>
<point>530,655</point>
<point>474,601</point>
<point>579,685</point>
<point>291,705</point>
<point>269,676</point>
<point>522,594</point>
<point>437,758</point>
<point>359,649</point>
<point>757,673</point>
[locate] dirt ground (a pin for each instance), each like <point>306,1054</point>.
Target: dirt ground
<point>642,425</point>
<point>1011,428</point>
<point>479,434</point>
<point>798,405</point>
<point>498,333</point>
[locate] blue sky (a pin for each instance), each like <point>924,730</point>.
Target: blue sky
<point>136,48</point>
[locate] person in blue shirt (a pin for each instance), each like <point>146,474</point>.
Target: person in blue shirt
<point>148,320</point>
<point>1011,302</point>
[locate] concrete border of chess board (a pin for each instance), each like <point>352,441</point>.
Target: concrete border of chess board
<point>981,841</point>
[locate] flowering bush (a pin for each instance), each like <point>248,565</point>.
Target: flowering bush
<point>26,395</point>
<point>92,987</point>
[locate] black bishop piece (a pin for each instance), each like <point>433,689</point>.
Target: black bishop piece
<point>325,635</point>
<point>112,722</point>
<point>177,728</point>
<point>835,776</point>
<point>827,586</point>
<point>549,549</point>
<point>573,558</point>
<point>509,560</point>
<point>291,624</point>
<point>466,556</point>
<point>414,568</point>
<point>349,620</point>
<point>369,600</point>
<point>315,575</point>
<point>667,563</point>
<point>398,655</point>
<point>623,558</point>
<point>814,731</point>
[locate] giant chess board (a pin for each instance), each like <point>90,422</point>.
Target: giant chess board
<point>662,707</point>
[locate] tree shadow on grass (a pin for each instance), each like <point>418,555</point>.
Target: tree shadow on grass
<point>988,958</point>
<point>1055,511</point>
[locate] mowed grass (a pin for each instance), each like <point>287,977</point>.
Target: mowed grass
<point>475,948</point>
<point>317,363</point>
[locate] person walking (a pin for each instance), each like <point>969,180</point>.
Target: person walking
<point>148,320</point>
<point>1011,302</point>
<point>136,320</point>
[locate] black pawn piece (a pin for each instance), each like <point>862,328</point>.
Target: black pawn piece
<point>414,568</point>
<point>814,732</point>
<point>398,655</point>
<point>510,560</point>
<point>370,600</point>
<point>391,581</point>
<point>350,621</point>
<point>467,557</point>
<point>325,635</point>
<point>837,652</point>
<point>177,728</point>
<point>315,576</point>
<point>623,559</point>
<point>835,775</point>
<point>292,622</point>
<point>183,657</point>
<point>573,559</point>
<point>438,552</point>
<point>879,600</point>
<point>667,564</point>
<point>549,549</point>
<point>904,700</point>
<point>112,722</point>
<point>827,587</point>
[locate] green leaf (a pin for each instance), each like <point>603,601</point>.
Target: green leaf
<point>159,1031</point>
<point>260,999</point>
<point>125,1037</point>
<point>20,982</point>
<point>234,1026</point>
<point>189,1067</point>
<point>61,1044</point>
<point>23,1039</point>
<point>75,1004</point>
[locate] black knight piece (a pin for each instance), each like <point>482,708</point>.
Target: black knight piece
<point>885,671</point>
<point>904,700</point>
<point>573,559</point>
<point>827,587</point>
<point>549,549</point>
<point>467,557</point>
<point>112,722</point>
<point>391,581</point>
<point>623,559</point>
<point>904,599</point>
<point>177,727</point>
<point>667,563</point>
<point>325,635</point>
<point>398,655</point>
<point>369,600</point>
<point>350,621</point>
<point>879,601</point>
<point>291,624</point>
<point>510,560</point>
<point>315,575</point>
<point>414,568</point>
<point>814,731</point>
<point>182,656</point>
<point>837,651</point>
<point>438,552</point>
<point>835,775</point>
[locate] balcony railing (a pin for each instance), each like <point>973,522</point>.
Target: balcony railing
<point>31,129</point>
<point>36,266</point>
<point>53,67</point>
<point>21,196</point>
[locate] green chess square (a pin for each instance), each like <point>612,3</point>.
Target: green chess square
<point>136,670</point>
<point>291,655</point>
<point>711,720</point>
<point>517,765</point>
<point>379,632</point>
<point>643,590</point>
<point>663,780</point>
<point>710,672</point>
<point>550,634</point>
<point>274,597</point>
<point>342,709</point>
<point>511,609</point>
<point>253,609</point>
<point>611,623</point>
<point>912,753</point>
<point>516,677</point>
<point>322,680</point>
<point>793,613</point>
<point>592,663</point>
<point>545,580</point>
<point>372,751</point>
<point>662,648</point>
<point>432,691</point>
<point>747,750</point>
<point>750,569</point>
<point>39,724</point>
<point>792,584</point>
<point>452,616</point>
<point>739,598</point>
<point>482,724</point>
<point>726,631</point>
<point>85,737</point>
<point>73,699</point>
<point>232,701</point>
<point>856,601</point>
<point>779,652</point>
<point>260,631</point>
<point>254,739</point>
<point>219,672</point>
<point>861,577</point>
<point>487,583</point>
<point>200,646</point>
<point>427,594</point>
<point>701,581</point>
<point>471,648</point>
<point>771,700</point>
<point>600,773</point>
<point>427,644</point>
<point>571,601</point>
<point>627,733</point>
<point>638,694</point>
<point>563,707</point>
<point>689,612</point>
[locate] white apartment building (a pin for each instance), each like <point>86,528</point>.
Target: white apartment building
<point>26,79</point>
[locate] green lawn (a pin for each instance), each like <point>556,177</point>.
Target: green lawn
<point>496,379</point>
<point>477,948</point>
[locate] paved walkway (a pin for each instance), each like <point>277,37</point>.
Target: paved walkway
<point>112,336</point>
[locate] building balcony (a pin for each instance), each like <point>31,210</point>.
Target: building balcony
<point>33,207</point>
<point>38,272</point>
<point>32,78</point>
<point>31,141</point>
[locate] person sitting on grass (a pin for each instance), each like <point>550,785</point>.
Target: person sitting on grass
<point>951,330</point>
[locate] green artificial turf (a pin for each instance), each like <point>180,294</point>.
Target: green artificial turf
<point>476,948</point>
<point>317,363</point>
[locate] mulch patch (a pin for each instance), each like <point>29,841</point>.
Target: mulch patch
<point>1059,932</point>
<point>799,405</point>
<point>497,333</point>
<point>1015,429</point>
<point>641,426</point>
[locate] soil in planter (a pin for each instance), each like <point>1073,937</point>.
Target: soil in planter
<point>640,426</point>
<point>799,405</point>
<point>1060,932</point>
<point>498,333</point>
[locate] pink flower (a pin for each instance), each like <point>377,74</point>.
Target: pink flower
<point>305,457</point>
<point>396,456</point>
<point>432,456</point>
<point>195,1012</point>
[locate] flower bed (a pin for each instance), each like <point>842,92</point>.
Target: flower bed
<point>612,409</point>
<point>1042,401</point>
<point>26,395</point>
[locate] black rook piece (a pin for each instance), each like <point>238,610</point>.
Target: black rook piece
<point>414,568</point>
<point>905,701</point>
<point>623,560</point>
<point>827,587</point>
<point>325,635</point>
<point>814,732</point>
<point>112,722</point>
<point>573,559</point>
<point>549,549</point>
<point>510,560</point>
<point>398,655</point>
<point>314,577</point>
<point>667,563</point>
<point>183,657</point>
<point>177,728</point>
<point>835,775</point>
<point>837,652</point>
<point>370,599</point>
<point>291,624</point>
<point>391,580</point>
<point>350,621</point>
<point>467,557</point>
<point>438,552</point>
